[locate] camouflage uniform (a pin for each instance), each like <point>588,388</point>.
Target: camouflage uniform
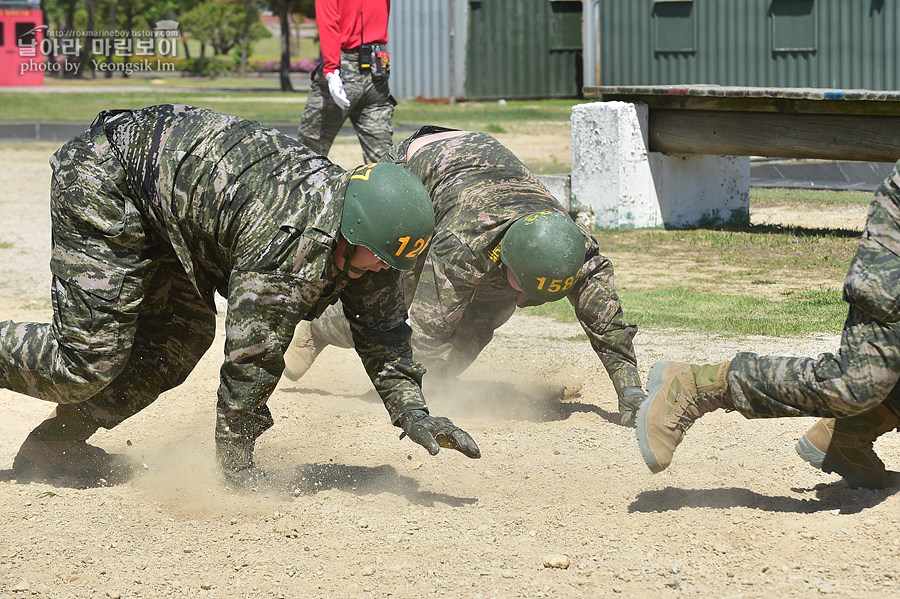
<point>866,369</point>
<point>155,210</point>
<point>458,294</point>
<point>371,111</point>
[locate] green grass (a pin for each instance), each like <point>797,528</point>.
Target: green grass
<point>722,314</point>
<point>83,107</point>
<point>774,197</point>
<point>225,94</point>
<point>761,280</point>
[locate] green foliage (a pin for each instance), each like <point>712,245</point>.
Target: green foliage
<point>208,66</point>
<point>221,24</point>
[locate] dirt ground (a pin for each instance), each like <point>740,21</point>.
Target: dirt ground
<point>351,511</point>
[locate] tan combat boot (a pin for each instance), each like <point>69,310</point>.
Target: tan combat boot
<point>844,446</point>
<point>677,395</point>
<point>301,353</point>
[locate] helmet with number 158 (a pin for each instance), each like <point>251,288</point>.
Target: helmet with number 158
<point>388,210</point>
<point>543,252</point>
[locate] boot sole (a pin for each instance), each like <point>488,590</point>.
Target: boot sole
<point>87,473</point>
<point>654,384</point>
<point>290,374</point>
<point>812,455</point>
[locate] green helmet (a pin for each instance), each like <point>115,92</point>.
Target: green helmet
<point>388,210</point>
<point>544,252</point>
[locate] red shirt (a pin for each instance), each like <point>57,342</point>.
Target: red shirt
<point>346,24</point>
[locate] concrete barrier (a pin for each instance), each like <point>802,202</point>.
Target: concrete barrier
<point>618,183</point>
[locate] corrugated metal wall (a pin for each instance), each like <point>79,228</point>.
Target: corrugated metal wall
<point>466,49</point>
<point>523,48</point>
<point>419,39</point>
<point>856,44</point>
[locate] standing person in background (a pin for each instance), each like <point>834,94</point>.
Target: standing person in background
<point>353,79</point>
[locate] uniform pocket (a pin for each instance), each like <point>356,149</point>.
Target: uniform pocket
<point>100,323</point>
<point>873,280</point>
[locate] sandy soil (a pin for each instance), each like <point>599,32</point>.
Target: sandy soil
<point>352,511</point>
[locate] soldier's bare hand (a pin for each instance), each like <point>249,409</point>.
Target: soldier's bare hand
<point>434,432</point>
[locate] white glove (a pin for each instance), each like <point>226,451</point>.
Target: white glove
<point>336,88</point>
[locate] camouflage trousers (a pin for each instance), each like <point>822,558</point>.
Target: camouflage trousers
<point>127,322</point>
<point>441,357</point>
<point>371,112</point>
<point>863,374</point>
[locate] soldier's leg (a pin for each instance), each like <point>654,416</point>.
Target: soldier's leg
<point>452,355</point>
<point>322,118</point>
<point>174,329</point>
<point>98,265</point>
<point>373,121</point>
<point>78,354</point>
<point>858,378</point>
<point>310,338</point>
<point>846,445</point>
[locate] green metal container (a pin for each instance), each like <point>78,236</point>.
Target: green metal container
<point>523,48</point>
<point>848,44</point>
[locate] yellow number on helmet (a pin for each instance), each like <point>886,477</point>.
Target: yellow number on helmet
<point>419,245</point>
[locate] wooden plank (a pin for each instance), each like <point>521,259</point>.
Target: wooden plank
<point>734,91</point>
<point>757,99</point>
<point>830,137</point>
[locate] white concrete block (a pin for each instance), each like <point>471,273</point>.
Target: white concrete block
<point>700,190</point>
<point>560,186</point>
<point>617,183</point>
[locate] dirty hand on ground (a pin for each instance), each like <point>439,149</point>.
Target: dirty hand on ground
<point>434,432</point>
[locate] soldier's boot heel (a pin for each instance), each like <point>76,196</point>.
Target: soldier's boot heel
<point>845,446</point>
<point>301,353</point>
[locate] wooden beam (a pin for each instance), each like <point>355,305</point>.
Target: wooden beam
<point>753,99</point>
<point>826,136</point>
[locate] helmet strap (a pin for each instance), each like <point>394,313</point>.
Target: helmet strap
<point>349,252</point>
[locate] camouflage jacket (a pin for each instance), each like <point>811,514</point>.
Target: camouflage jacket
<point>873,281</point>
<point>255,215</point>
<point>479,188</point>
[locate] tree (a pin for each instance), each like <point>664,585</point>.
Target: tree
<point>283,8</point>
<point>222,24</point>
